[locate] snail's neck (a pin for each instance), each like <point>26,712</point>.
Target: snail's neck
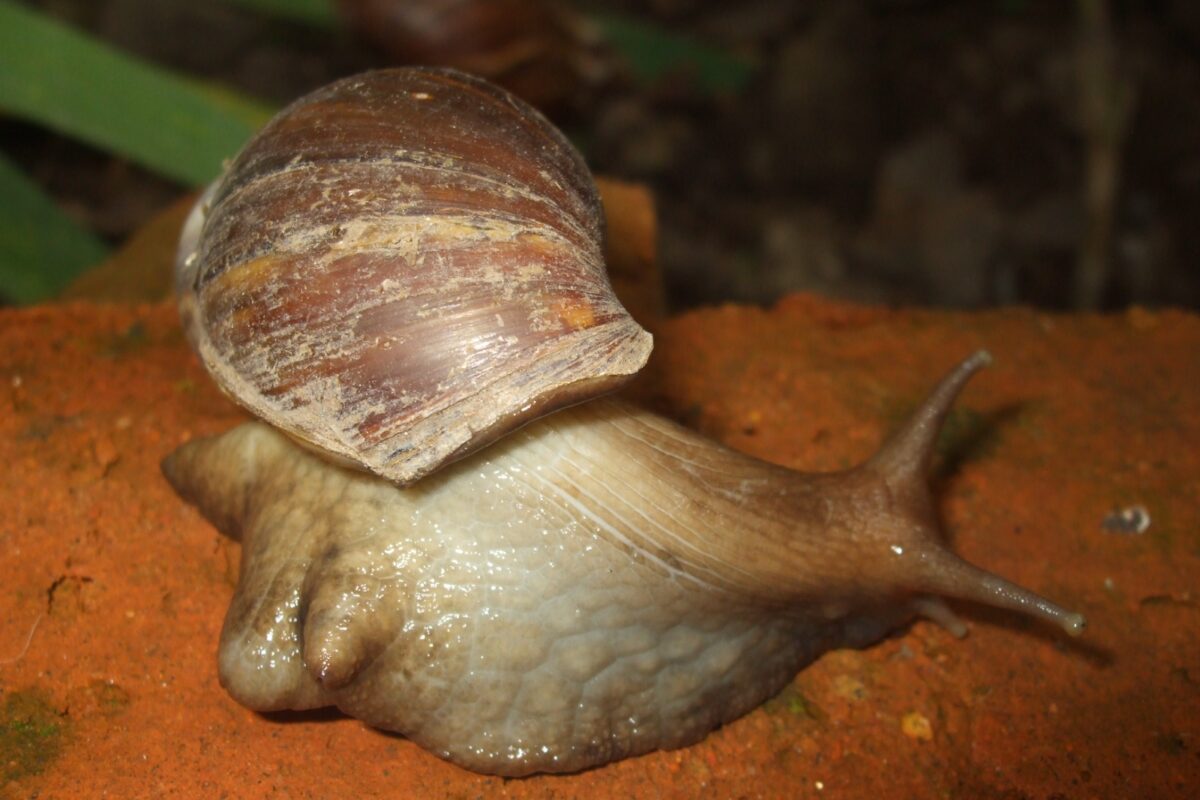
<point>697,508</point>
<point>831,544</point>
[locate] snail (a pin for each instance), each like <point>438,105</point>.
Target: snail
<point>448,529</point>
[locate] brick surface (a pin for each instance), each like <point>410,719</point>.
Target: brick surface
<point>113,591</point>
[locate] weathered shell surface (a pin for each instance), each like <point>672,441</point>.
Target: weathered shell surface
<point>402,267</point>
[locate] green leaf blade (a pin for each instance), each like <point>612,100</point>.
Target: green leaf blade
<point>59,78</point>
<point>41,249</point>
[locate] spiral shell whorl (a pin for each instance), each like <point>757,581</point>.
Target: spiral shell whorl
<point>402,267</point>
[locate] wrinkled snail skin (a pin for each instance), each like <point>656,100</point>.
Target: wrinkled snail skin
<point>397,274</point>
<point>599,584</point>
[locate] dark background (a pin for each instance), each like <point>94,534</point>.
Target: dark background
<point>894,151</point>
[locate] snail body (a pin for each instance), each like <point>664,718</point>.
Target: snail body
<point>487,613</point>
<point>599,583</point>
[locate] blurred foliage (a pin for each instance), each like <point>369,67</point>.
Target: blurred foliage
<point>40,248</point>
<point>312,12</point>
<point>56,77</point>
<point>59,78</point>
<point>652,53</point>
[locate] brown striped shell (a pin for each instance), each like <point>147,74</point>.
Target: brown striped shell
<point>402,267</point>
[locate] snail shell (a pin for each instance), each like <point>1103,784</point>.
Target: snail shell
<point>402,267</point>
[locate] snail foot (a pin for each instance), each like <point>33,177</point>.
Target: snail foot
<point>346,623</point>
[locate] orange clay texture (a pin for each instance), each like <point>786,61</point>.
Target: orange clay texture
<point>113,590</point>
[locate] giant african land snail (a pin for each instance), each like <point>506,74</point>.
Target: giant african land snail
<point>406,265</point>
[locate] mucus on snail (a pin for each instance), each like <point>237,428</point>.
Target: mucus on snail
<point>404,267</point>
